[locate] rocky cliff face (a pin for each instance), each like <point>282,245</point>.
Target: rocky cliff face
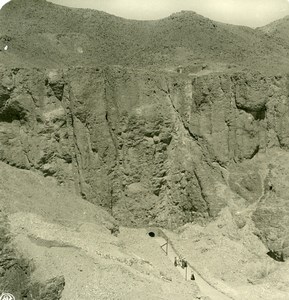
<point>150,147</point>
<point>15,271</point>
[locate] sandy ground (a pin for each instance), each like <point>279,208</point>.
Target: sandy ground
<point>65,235</point>
<point>205,288</point>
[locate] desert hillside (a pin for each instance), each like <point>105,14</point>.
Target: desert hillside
<point>278,30</point>
<point>53,36</point>
<point>121,137</point>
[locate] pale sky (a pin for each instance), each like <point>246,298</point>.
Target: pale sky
<point>241,12</point>
<point>2,2</point>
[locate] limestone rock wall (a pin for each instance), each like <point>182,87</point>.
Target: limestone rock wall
<point>150,147</point>
<point>16,271</point>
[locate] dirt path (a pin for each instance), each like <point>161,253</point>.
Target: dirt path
<point>205,288</point>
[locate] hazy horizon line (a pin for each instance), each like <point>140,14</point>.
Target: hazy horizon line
<point>165,17</point>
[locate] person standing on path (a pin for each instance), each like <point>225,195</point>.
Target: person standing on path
<point>176,262</point>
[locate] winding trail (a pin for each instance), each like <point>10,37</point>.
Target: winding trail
<point>205,288</point>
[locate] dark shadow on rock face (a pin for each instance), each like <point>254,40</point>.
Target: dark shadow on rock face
<point>12,109</point>
<point>3,99</point>
<point>278,256</point>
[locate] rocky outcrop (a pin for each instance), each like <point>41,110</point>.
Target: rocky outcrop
<point>271,215</point>
<point>50,290</point>
<point>16,270</point>
<point>149,147</point>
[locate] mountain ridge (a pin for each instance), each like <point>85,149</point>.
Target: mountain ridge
<point>278,30</point>
<point>51,35</point>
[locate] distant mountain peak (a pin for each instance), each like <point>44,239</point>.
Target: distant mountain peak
<point>184,12</point>
<point>187,15</point>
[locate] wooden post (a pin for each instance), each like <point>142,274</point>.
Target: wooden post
<point>111,201</point>
<point>167,252</point>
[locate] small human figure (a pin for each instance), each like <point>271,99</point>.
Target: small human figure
<point>184,263</point>
<point>115,230</point>
<point>193,277</point>
<point>176,262</point>
<point>180,69</point>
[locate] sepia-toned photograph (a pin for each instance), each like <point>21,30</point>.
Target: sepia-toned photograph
<point>144,150</point>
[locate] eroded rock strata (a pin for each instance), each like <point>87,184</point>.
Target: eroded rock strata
<point>152,148</point>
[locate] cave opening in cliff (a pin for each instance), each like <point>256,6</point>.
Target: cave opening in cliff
<point>152,234</point>
<point>276,255</point>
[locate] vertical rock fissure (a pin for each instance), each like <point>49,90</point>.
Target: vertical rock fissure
<point>109,125</point>
<point>115,166</point>
<point>25,150</point>
<point>195,138</point>
<point>204,197</point>
<point>77,153</point>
